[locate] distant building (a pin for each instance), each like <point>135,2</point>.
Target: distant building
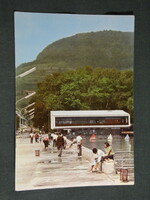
<point>89,119</point>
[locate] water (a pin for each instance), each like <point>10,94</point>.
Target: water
<point>118,142</point>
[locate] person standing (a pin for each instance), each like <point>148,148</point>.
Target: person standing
<point>79,144</point>
<point>54,136</point>
<point>60,144</point>
<point>65,141</point>
<point>49,137</point>
<point>31,137</point>
<point>36,137</point>
<point>40,137</point>
<point>46,140</point>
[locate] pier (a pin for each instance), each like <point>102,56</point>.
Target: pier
<point>49,171</point>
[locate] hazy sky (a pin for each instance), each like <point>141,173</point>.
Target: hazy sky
<point>35,31</point>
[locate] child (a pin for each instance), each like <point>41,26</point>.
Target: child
<point>97,155</point>
<point>46,141</point>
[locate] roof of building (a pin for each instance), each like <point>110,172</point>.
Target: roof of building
<point>85,113</point>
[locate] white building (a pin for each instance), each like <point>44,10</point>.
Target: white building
<point>89,119</point>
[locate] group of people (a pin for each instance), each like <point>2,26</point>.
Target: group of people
<point>60,142</point>
<point>37,136</point>
<point>98,156</point>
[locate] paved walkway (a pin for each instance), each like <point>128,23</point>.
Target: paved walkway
<point>50,171</point>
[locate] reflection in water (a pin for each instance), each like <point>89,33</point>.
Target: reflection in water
<point>118,142</point>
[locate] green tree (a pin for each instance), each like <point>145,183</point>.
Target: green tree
<point>84,89</point>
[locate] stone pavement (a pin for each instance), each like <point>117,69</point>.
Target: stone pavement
<point>50,171</point>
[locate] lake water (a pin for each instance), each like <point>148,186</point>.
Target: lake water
<point>118,142</point>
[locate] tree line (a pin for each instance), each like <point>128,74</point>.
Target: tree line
<point>84,88</point>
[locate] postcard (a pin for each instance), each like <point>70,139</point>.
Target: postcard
<point>74,100</point>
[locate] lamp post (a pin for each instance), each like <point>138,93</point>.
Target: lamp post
<point>26,97</point>
<point>19,112</point>
<point>20,76</point>
<point>19,115</point>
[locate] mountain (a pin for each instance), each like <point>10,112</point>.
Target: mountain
<point>105,49</point>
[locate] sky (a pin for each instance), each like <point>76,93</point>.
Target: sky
<point>35,31</point>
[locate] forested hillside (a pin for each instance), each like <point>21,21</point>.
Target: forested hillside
<point>103,49</point>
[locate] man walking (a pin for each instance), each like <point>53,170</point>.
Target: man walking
<point>31,137</point>
<point>79,144</point>
<point>60,144</point>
